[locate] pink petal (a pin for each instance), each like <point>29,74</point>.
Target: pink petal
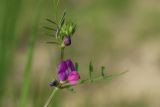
<point>73,77</point>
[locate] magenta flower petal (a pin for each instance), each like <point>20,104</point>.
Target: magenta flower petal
<point>73,77</point>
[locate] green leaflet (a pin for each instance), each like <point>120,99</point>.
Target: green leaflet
<point>71,89</point>
<point>49,28</point>
<point>76,66</point>
<point>90,70</point>
<point>51,21</point>
<point>62,20</point>
<point>53,43</point>
<point>102,71</point>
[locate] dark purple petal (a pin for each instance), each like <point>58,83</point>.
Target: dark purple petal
<point>62,67</point>
<point>62,76</point>
<point>67,41</point>
<point>73,77</point>
<point>62,71</point>
<point>70,65</point>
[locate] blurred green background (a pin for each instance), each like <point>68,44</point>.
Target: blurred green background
<point>120,34</point>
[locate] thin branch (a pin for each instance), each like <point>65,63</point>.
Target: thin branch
<point>51,97</point>
<point>95,79</point>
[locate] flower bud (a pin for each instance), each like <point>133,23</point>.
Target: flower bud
<point>53,83</point>
<point>67,41</point>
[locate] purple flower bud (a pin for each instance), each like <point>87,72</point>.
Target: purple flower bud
<point>73,77</point>
<point>67,41</point>
<point>53,83</point>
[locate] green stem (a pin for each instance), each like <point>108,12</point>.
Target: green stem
<point>62,57</point>
<point>51,97</point>
<point>56,89</point>
<point>110,77</point>
<point>62,54</point>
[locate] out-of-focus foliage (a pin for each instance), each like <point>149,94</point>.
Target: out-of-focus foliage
<point>9,11</point>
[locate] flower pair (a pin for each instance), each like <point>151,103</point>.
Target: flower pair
<point>67,72</point>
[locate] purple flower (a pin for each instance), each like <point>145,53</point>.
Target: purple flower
<point>67,71</point>
<point>67,41</point>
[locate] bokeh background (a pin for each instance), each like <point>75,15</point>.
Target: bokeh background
<point>120,34</point>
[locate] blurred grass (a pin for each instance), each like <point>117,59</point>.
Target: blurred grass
<point>9,10</point>
<point>28,67</point>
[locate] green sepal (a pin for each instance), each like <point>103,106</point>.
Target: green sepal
<point>71,28</point>
<point>68,29</point>
<point>76,66</point>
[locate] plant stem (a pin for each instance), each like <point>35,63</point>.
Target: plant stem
<point>109,77</point>
<point>51,97</point>
<point>62,54</point>
<point>56,89</point>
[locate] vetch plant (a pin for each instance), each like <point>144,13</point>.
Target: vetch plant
<point>68,75</point>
